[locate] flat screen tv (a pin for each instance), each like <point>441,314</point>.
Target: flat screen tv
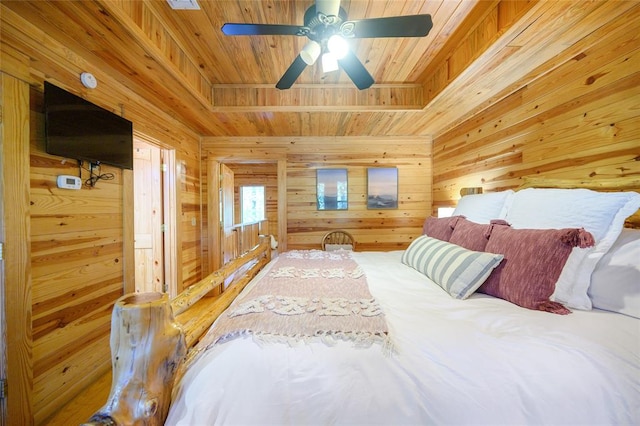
<point>76,128</point>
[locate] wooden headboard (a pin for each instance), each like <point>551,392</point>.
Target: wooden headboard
<point>631,183</point>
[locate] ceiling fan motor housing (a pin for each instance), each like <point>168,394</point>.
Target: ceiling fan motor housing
<point>322,26</point>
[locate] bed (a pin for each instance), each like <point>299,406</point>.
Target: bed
<point>432,337</point>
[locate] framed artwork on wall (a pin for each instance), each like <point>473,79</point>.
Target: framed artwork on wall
<point>382,188</point>
<point>331,189</point>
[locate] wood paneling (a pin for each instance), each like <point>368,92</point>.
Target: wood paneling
<point>17,298</point>
<point>372,229</point>
<point>578,120</point>
<point>343,97</point>
<point>182,60</point>
<point>77,269</point>
<point>549,35</point>
<point>78,244</point>
<point>477,54</point>
<point>77,260</point>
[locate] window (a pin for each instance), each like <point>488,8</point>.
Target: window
<point>252,203</point>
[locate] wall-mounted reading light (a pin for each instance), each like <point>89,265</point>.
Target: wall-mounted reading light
<point>470,191</point>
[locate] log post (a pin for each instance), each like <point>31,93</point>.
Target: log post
<point>147,347</point>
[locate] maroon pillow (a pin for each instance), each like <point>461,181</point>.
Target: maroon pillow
<point>470,235</point>
<point>533,260</point>
<point>440,227</point>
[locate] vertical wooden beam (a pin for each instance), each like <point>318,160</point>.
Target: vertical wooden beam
<point>170,194</point>
<point>128,272</point>
<point>179,176</point>
<point>282,205</point>
<point>213,219</point>
<point>14,167</point>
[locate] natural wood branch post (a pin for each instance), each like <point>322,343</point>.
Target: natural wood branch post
<point>147,347</point>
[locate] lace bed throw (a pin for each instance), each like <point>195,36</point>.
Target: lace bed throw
<point>306,296</point>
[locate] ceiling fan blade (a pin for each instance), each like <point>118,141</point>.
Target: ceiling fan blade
<point>292,73</point>
<point>356,71</point>
<point>394,26</point>
<point>263,29</point>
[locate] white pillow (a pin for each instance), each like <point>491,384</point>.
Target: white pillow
<point>601,213</point>
<point>457,270</point>
<point>481,208</point>
<point>334,247</point>
<point>615,282</point>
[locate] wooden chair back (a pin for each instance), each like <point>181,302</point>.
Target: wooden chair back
<point>338,239</point>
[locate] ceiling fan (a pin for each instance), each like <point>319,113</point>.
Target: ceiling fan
<point>327,27</point>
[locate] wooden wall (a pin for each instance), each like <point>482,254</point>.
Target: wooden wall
<point>372,229</point>
<point>78,267</point>
<point>577,118</point>
<point>78,244</point>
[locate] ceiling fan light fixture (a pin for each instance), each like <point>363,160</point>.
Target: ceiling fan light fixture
<point>328,7</point>
<point>329,62</point>
<point>338,46</point>
<point>326,23</point>
<point>310,52</point>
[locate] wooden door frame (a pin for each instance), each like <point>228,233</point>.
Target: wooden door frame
<point>282,205</point>
<point>15,234</point>
<point>170,216</point>
<point>213,211</point>
<point>214,235</point>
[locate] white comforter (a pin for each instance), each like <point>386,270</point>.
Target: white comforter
<point>475,361</point>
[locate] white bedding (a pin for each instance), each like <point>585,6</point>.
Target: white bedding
<point>476,361</point>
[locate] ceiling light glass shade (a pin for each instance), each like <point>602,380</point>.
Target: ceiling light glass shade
<point>329,62</point>
<point>328,7</point>
<point>310,52</point>
<point>338,46</point>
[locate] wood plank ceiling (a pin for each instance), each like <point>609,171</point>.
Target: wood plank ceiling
<point>477,53</point>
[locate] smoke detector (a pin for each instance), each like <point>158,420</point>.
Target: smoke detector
<point>184,4</point>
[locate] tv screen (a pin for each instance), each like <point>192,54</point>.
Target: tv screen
<point>76,128</point>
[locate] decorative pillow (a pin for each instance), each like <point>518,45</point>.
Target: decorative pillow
<point>481,208</point>
<point>440,228</point>
<point>471,235</point>
<point>600,213</point>
<point>533,260</point>
<point>457,270</point>
<point>615,282</point>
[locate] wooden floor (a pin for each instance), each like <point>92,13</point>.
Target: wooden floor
<point>81,408</point>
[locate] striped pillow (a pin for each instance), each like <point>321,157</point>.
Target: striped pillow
<point>457,270</point>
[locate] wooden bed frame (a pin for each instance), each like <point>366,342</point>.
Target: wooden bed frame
<point>151,336</point>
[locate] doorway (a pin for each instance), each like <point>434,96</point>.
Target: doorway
<point>154,176</point>
<point>3,320</point>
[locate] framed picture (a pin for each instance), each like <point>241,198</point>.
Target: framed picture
<point>331,189</point>
<point>382,188</point>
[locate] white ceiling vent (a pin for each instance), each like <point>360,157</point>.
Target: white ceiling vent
<point>184,4</point>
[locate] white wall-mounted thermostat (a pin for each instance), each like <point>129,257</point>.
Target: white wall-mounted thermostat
<point>69,182</point>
